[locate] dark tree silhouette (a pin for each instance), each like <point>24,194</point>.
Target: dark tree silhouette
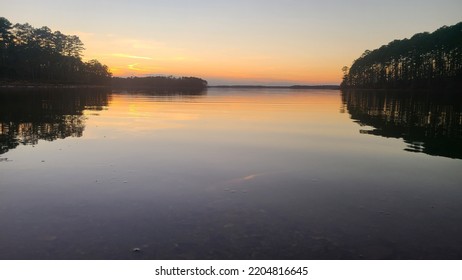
<point>161,84</point>
<point>427,60</point>
<point>41,55</point>
<point>6,40</point>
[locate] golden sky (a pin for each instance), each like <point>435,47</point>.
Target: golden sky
<point>234,42</point>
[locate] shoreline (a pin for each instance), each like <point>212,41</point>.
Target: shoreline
<point>328,87</point>
<point>19,85</point>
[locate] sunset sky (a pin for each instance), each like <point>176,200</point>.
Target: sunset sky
<point>234,42</point>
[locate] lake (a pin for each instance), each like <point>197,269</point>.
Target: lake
<point>230,174</point>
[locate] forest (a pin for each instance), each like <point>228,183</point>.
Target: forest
<point>161,84</point>
<point>426,60</point>
<point>40,55</point>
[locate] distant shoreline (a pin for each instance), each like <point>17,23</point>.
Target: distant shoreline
<point>60,85</point>
<point>329,87</point>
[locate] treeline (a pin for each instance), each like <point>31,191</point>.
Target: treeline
<point>41,55</point>
<point>161,83</point>
<point>427,60</point>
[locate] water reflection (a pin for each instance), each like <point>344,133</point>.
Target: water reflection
<point>29,115</point>
<point>429,122</point>
<point>230,174</point>
<point>162,95</point>
<point>187,94</point>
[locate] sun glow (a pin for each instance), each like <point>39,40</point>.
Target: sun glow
<point>131,56</point>
<point>144,57</point>
<point>279,42</point>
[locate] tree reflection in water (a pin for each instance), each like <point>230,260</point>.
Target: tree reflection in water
<point>429,122</point>
<point>29,115</point>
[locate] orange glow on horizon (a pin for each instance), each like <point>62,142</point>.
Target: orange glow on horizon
<point>301,42</point>
<point>130,57</point>
<point>237,73</point>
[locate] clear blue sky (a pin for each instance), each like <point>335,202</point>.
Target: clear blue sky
<point>253,41</point>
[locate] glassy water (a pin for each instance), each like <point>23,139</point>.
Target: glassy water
<point>230,174</point>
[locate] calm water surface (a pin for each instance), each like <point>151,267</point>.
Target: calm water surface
<point>230,174</point>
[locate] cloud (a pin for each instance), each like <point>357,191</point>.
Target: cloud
<point>130,56</point>
<point>133,66</point>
